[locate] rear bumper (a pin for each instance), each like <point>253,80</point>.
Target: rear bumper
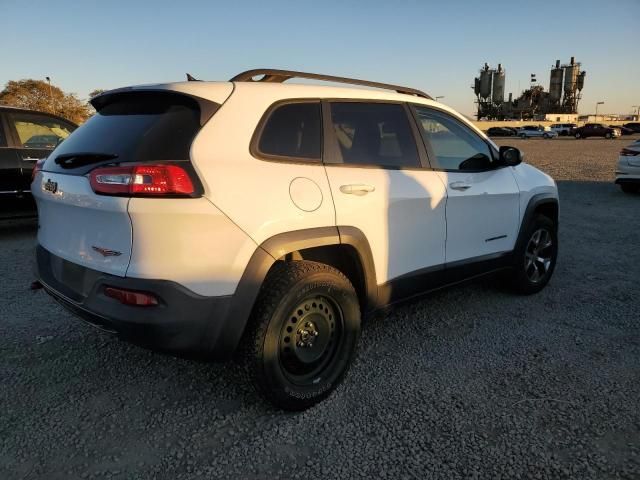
<point>183,322</point>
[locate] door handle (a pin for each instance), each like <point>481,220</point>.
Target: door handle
<point>357,189</point>
<point>460,186</point>
<point>31,159</point>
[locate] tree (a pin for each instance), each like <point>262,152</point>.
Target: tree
<point>96,92</point>
<point>39,95</point>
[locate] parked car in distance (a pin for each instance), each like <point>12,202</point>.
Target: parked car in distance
<point>145,232</point>
<point>596,130</point>
<point>623,130</point>
<point>628,170</point>
<point>635,126</point>
<point>563,129</point>
<point>501,132</point>
<point>26,136</point>
<point>532,131</point>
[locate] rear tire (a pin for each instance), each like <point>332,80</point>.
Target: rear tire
<point>546,135</point>
<point>535,258</point>
<point>578,135</point>
<point>303,334</point>
<point>608,136</point>
<point>630,187</point>
<point>523,136</point>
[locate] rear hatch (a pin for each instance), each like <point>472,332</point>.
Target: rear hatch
<point>84,187</point>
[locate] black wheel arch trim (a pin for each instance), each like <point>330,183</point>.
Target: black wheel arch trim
<point>263,259</point>
<point>535,202</point>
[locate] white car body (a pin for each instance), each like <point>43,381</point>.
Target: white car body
<point>628,168</point>
<point>414,219</point>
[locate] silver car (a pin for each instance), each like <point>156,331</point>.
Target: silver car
<point>628,170</point>
<point>529,131</point>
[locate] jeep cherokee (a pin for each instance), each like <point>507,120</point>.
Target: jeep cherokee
<point>269,218</point>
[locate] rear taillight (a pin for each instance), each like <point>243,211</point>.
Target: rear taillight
<point>142,180</point>
<point>627,152</point>
<point>131,297</point>
<point>36,168</point>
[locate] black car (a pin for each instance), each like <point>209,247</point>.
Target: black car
<point>501,132</point>
<point>635,126</point>
<point>26,136</point>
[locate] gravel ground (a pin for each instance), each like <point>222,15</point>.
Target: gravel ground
<point>472,382</point>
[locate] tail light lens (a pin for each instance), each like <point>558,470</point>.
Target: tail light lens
<point>36,168</point>
<point>131,297</point>
<point>142,180</point>
<point>627,152</point>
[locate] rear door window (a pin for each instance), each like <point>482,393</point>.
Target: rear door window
<point>39,131</point>
<point>376,134</point>
<point>292,131</point>
<point>131,127</point>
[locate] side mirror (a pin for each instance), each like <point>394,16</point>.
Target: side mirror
<point>510,156</point>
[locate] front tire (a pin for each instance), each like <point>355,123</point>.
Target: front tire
<point>630,188</point>
<point>523,136</point>
<point>535,258</point>
<point>303,333</point>
<point>608,136</point>
<point>578,135</point>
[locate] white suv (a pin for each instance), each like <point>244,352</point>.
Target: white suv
<point>200,216</point>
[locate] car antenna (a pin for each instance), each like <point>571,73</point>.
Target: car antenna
<point>191,78</point>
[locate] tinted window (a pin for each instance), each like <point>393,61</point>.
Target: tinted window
<point>40,131</point>
<point>140,127</point>
<point>374,134</point>
<point>293,130</point>
<point>455,146</point>
<point>3,138</point>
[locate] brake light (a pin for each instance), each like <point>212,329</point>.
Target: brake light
<point>36,168</point>
<point>143,180</point>
<point>627,152</point>
<point>131,297</point>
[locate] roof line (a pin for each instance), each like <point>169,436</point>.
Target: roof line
<point>270,75</point>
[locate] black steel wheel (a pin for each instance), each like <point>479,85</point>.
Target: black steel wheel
<point>303,333</point>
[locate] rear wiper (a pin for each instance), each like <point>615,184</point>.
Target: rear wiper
<point>75,160</point>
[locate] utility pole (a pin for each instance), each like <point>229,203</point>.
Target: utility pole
<point>598,103</point>
<point>53,108</point>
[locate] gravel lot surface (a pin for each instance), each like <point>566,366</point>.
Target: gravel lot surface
<point>472,382</point>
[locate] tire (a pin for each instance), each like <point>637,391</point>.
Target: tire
<point>523,136</point>
<point>578,135</point>
<point>303,334</point>
<point>546,136</point>
<point>608,136</point>
<point>630,187</point>
<point>530,275</point>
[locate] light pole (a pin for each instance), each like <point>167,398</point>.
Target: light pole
<point>53,109</point>
<point>598,103</point>
<point>637,114</point>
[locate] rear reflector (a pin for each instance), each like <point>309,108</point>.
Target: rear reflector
<point>142,180</point>
<point>131,297</point>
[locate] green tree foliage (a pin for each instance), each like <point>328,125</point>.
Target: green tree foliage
<point>37,95</point>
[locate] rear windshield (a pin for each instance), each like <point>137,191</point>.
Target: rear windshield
<point>130,127</point>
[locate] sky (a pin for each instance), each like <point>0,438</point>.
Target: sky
<point>435,46</point>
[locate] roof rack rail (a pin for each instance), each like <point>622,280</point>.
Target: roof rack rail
<point>271,75</point>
